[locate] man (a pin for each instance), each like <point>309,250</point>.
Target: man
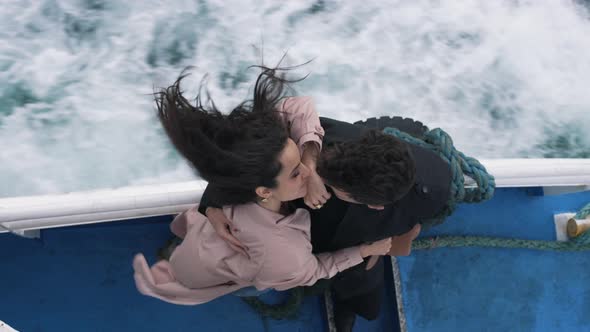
<point>373,204</point>
<point>383,187</point>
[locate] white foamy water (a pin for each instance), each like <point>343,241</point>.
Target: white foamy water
<point>504,78</point>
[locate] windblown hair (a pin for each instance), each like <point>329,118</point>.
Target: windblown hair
<point>237,152</point>
<point>378,169</point>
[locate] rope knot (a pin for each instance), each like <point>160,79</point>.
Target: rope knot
<point>439,142</point>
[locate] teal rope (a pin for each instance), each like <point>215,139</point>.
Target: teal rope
<point>290,307</point>
<point>580,243</point>
<point>285,310</point>
<point>583,213</point>
<point>439,142</point>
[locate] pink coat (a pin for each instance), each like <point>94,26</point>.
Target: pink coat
<point>204,267</point>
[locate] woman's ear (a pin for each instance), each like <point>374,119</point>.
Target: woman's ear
<point>263,192</point>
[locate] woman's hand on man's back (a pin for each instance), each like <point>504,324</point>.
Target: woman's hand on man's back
<point>224,228</point>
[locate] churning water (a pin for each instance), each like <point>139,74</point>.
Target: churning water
<point>504,78</point>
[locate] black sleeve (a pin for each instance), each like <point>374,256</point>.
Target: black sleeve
<point>396,219</point>
<point>362,224</point>
<point>407,125</point>
<point>208,199</point>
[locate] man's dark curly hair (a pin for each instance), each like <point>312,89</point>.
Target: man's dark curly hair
<point>377,169</point>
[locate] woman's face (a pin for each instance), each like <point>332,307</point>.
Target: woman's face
<point>292,180</point>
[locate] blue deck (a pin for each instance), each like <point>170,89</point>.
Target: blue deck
<point>475,289</point>
<point>80,279</point>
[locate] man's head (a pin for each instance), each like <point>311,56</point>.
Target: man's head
<point>376,170</point>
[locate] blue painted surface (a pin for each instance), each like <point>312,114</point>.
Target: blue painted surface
<point>80,279</point>
<point>476,289</point>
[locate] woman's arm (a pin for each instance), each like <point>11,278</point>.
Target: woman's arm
<point>305,129</point>
<point>296,266</point>
<point>303,121</point>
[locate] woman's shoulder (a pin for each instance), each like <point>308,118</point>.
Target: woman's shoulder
<point>271,229</point>
<point>295,102</point>
<point>251,213</point>
<point>253,217</point>
<point>293,232</point>
<point>291,243</point>
<point>255,225</point>
<point>299,219</point>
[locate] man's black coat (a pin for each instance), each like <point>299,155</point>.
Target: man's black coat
<point>339,224</point>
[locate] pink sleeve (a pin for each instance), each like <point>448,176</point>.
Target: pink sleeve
<point>302,268</point>
<point>302,120</point>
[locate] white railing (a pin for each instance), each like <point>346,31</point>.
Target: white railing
<point>37,212</point>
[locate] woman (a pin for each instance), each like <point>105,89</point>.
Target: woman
<point>253,157</point>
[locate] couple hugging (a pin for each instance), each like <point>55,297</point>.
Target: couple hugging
<point>292,198</point>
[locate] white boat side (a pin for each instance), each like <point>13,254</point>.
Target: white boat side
<point>26,213</point>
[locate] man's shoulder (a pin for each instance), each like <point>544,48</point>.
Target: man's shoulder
<point>432,186</point>
<point>431,169</point>
<point>337,131</point>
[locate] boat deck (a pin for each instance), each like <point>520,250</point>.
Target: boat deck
<point>80,279</point>
<point>489,289</point>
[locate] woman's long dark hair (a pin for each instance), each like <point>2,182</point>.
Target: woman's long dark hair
<point>237,152</point>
